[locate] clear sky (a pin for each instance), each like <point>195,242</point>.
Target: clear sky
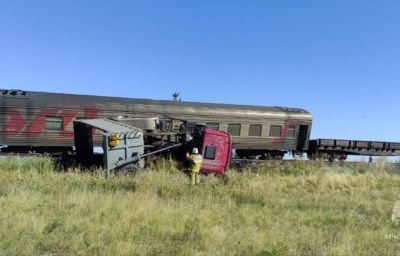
<point>339,59</point>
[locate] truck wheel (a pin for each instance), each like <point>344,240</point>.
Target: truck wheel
<point>129,168</point>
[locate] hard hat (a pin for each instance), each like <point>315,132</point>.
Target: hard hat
<point>195,151</point>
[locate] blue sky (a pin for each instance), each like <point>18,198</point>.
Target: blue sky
<point>338,59</point>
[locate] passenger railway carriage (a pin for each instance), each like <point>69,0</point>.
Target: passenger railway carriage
<point>42,122</point>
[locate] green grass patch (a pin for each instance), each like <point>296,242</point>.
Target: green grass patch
<point>302,209</point>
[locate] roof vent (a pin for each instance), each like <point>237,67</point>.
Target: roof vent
<point>14,93</point>
<point>290,110</point>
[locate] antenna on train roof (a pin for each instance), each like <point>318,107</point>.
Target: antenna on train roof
<point>176,95</point>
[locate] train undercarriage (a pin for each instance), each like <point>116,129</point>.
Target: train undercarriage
<point>327,156</point>
<point>260,154</point>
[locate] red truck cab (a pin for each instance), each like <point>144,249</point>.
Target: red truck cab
<point>216,149</point>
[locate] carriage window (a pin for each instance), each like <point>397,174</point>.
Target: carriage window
<point>210,152</point>
<point>290,132</point>
<point>54,123</point>
<point>234,129</point>
<point>213,126</point>
<point>275,131</point>
<point>255,130</point>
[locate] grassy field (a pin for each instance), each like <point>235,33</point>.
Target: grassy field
<point>297,210</point>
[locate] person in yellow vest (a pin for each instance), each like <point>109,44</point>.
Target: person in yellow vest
<point>195,164</point>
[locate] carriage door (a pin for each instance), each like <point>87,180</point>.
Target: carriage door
<point>302,137</point>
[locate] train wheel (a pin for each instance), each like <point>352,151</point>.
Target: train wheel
<point>127,169</point>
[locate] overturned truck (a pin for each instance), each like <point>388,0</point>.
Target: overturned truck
<point>127,142</point>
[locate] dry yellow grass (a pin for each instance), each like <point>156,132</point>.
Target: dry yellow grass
<point>296,210</point>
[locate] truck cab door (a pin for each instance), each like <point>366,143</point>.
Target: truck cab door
<point>216,150</point>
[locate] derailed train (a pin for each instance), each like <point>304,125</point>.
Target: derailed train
<point>43,122</point>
